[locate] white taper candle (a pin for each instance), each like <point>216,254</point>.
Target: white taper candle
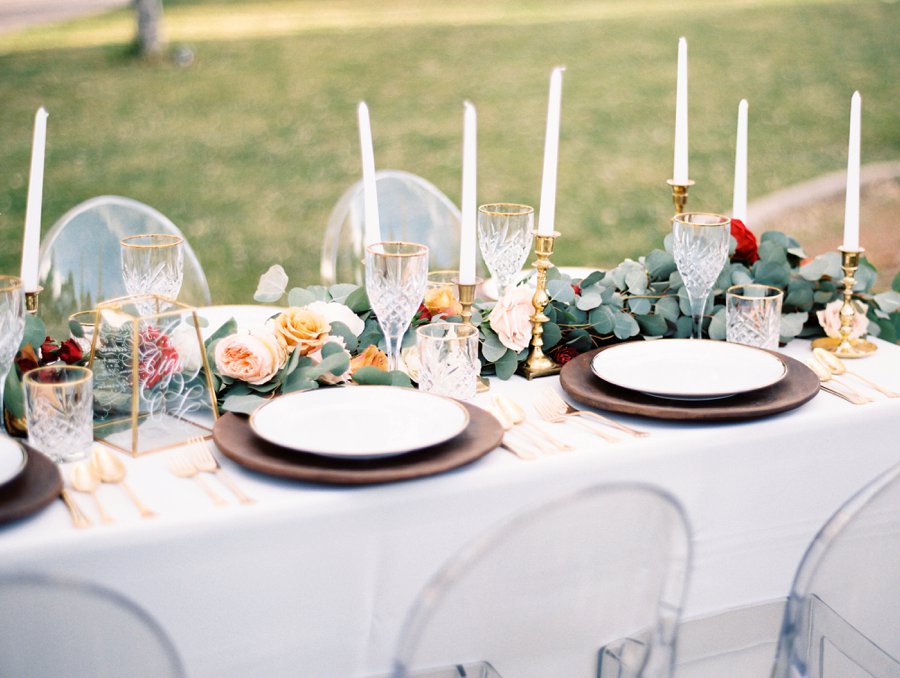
<point>370,195</point>
<point>851,206</point>
<point>31,243</point>
<point>739,199</point>
<point>680,170</point>
<point>469,191</point>
<point>551,154</point>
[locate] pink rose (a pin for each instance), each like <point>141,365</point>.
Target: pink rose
<point>511,318</point>
<point>830,320</point>
<point>254,358</point>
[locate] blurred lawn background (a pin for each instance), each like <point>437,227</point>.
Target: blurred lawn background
<point>248,148</point>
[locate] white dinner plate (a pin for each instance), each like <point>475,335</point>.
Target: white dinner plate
<point>489,286</point>
<point>359,422</point>
<point>247,316</point>
<point>12,459</point>
<point>688,369</point>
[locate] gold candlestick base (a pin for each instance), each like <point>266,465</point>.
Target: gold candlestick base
<point>679,194</point>
<point>466,299</point>
<point>32,300</point>
<point>537,364</point>
<point>844,346</point>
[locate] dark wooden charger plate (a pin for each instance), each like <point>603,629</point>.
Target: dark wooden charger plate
<point>798,386</point>
<point>237,441</point>
<point>39,483</point>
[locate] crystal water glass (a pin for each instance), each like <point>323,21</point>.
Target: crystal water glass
<point>505,232</point>
<point>12,326</point>
<point>753,315</point>
<point>700,246</point>
<point>59,409</point>
<point>396,277</point>
<point>448,359</point>
<point>153,264</point>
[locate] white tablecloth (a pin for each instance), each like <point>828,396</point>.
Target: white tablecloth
<point>315,580</point>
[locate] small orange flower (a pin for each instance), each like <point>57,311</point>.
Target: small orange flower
<point>441,300</point>
<point>301,329</point>
<point>371,357</point>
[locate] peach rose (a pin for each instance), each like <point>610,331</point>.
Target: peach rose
<point>300,329</point>
<point>441,300</point>
<point>511,318</point>
<point>254,358</point>
<point>328,377</point>
<point>371,357</point>
<point>830,320</point>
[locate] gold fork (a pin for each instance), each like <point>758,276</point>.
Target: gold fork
<point>205,462</point>
<point>546,411</point>
<point>181,466</point>
<point>556,404</point>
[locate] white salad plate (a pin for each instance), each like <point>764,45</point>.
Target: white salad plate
<point>688,369</point>
<point>359,422</point>
<point>12,460</point>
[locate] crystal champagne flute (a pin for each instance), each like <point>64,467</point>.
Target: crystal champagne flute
<point>153,264</point>
<point>12,327</point>
<point>505,232</point>
<point>396,277</point>
<point>700,247</point>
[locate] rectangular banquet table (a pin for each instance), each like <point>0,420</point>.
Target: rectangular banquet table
<point>315,580</point>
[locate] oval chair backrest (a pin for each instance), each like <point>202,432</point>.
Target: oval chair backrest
<point>409,209</point>
<point>80,264</point>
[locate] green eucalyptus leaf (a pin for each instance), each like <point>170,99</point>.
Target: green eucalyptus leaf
<point>792,324</point>
<point>771,273</point>
<point>887,330</point>
<point>896,284</point>
<point>740,275</point>
<point>684,327</point>
<point>865,277</point>
<point>580,340</point>
<point>371,335</point>
<point>561,291</point>
<point>243,404</point>
<point>341,291</point>
<point>35,332</point>
<point>636,280</point>
<point>815,269</point>
<point>716,327</point>
<point>552,335</point>
<point>14,394</point>
<point>493,349</point>
<point>799,295</point>
<point>330,348</point>
<point>668,243</point>
<point>594,277</point>
<point>339,329</point>
<point>602,320</point>
<point>833,270</point>
<point>626,326</point>
<point>652,325</point>
<point>300,296</point>
<point>660,265</point>
<point>553,273</point>
<point>640,305</point>
<point>371,376</point>
<point>888,301</point>
<point>399,378</point>
<point>590,298</point>
<point>684,301</point>
<point>668,308</point>
<point>358,301</point>
<point>506,366</point>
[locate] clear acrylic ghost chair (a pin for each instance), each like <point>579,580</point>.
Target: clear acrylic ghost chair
<point>842,618</point>
<point>542,594</point>
<point>80,264</point>
<point>409,208</point>
<point>52,627</point>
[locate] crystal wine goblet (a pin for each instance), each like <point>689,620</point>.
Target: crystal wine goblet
<point>505,232</point>
<point>700,246</point>
<point>153,264</point>
<point>12,326</point>
<point>396,277</point>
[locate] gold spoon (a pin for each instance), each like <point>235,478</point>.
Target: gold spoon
<point>110,469</point>
<point>836,366</point>
<point>84,479</point>
<point>516,414</point>
<point>844,391</point>
<point>507,426</point>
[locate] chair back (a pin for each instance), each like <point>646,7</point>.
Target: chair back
<point>52,627</point>
<point>542,593</point>
<point>80,261</point>
<point>842,618</point>
<point>409,209</point>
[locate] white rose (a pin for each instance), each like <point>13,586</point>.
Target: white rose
<point>184,339</point>
<point>335,312</point>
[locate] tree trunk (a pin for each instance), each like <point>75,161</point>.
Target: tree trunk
<point>149,25</point>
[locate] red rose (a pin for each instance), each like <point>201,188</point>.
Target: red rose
<point>423,315</point>
<point>49,351</point>
<point>158,358</point>
<point>564,354</point>
<point>747,250</point>
<point>70,352</point>
<point>576,288</point>
<point>26,359</point>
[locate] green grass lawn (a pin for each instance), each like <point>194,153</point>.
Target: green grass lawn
<point>249,147</point>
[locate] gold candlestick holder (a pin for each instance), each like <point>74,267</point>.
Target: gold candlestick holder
<point>844,346</point>
<point>466,299</point>
<point>32,300</point>
<point>679,194</point>
<point>537,364</point>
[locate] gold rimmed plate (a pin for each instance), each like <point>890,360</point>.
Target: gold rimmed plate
<point>13,460</point>
<point>359,422</point>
